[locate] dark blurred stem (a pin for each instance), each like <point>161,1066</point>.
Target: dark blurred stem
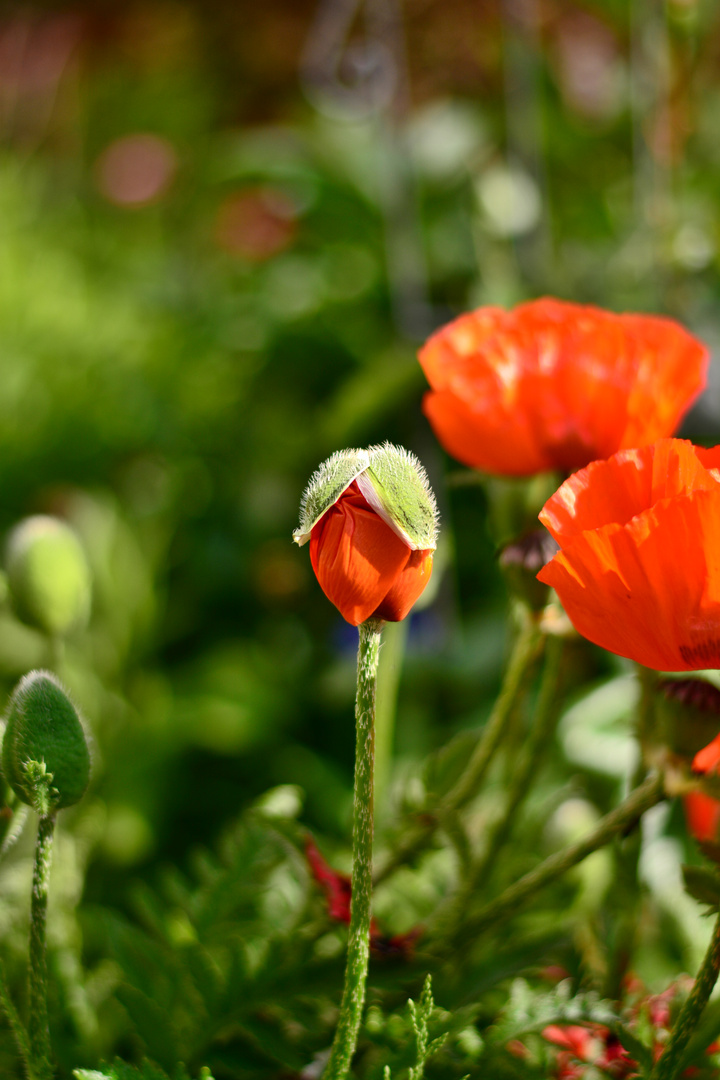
<point>528,643</point>
<point>618,822</point>
<point>670,1063</point>
<point>358,954</point>
<point>16,1026</point>
<point>37,972</point>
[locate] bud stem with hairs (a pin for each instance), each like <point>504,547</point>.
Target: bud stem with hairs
<point>358,954</point>
<point>46,762</point>
<point>37,969</point>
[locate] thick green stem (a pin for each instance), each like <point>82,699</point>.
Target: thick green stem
<point>528,643</point>
<point>37,972</point>
<point>617,823</point>
<point>16,1026</point>
<point>353,998</point>
<point>670,1063</point>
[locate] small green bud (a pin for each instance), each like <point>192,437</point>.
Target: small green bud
<point>392,481</point>
<point>48,575</point>
<point>45,756</point>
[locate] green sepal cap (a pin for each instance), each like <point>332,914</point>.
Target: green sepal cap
<point>393,482</point>
<point>48,575</point>
<point>43,727</point>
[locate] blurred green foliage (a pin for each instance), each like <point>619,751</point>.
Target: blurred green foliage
<point>208,283</point>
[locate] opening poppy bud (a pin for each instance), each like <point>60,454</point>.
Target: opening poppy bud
<point>48,575</point>
<point>372,522</point>
<point>45,755</point>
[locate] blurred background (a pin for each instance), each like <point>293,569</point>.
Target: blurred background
<point>225,229</point>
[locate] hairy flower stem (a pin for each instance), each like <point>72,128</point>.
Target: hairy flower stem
<point>353,997</point>
<point>528,643</point>
<point>618,822</point>
<point>670,1063</point>
<point>37,971</point>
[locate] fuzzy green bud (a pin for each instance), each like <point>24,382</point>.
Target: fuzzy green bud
<point>45,755</point>
<point>391,480</point>
<point>48,575</point>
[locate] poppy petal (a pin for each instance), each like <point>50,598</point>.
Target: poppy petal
<point>356,556</point>
<point>483,436</point>
<point>616,490</point>
<point>671,372</point>
<point>708,759</point>
<point>407,587</point>
<point>702,814</point>
<point>649,590</point>
<point>555,385</point>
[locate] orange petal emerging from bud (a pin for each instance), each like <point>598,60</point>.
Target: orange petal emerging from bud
<point>362,565</point>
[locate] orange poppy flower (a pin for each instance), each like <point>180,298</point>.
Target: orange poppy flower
<point>639,567</point>
<point>364,568</point>
<point>554,385</point>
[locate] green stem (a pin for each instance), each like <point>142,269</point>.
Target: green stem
<point>394,640</point>
<point>618,822</point>
<point>37,971</point>
<point>353,998</point>
<point>16,1026</point>
<point>546,713</point>
<point>528,643</point>
<point>670,1062</point>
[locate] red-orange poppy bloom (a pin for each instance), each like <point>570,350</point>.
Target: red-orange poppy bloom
<point>554,385</point>
<point>639,567</point>
<point>362,565</point>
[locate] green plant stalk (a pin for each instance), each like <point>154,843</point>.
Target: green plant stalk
<point>358,954</point>
<point>625,897</point>
<point>394,640</point>
<point>16,1026</point>
<point>543,724</point>
<point>617,823</point>
<point>669,1064</point>
<point>528,643</point>
<point>37,969</point>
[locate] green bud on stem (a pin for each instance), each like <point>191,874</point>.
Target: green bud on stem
<point>48,575</point>
<point>45,755</point>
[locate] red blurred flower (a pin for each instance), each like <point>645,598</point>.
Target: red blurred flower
<point>338,894</point>
<point>554,385</point>
<point>590,1044</point>
<point>362,565</point>
<point>639,567</point>
<point>256,224</point>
